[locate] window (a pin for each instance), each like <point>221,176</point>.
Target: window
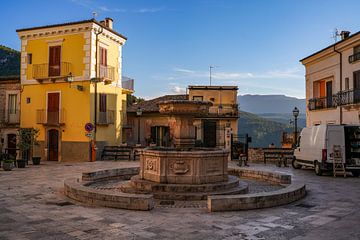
<point>347,83</point>
<point>28,100</point>
<point>102,105</point>
<point>212,99</point>
<point>12,102</point>
<point>197,98</point>
<point>29,58</point>
<point>357,49</point>
<point>103,56</point>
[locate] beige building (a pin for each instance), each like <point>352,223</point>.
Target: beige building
<point>333,83</point>
<point>9,113</point>
<point>147,126</point>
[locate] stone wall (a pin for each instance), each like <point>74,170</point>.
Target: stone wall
<point>256,155</point>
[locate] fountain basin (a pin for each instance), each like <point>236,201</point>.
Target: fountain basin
<point>196,166</point>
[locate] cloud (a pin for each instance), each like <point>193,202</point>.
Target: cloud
<point>176,88</point>
<point>90,4</point>
<point>149,10</point>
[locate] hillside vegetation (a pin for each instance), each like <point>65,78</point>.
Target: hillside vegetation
<point>263,131</point>
<point>9,62</point>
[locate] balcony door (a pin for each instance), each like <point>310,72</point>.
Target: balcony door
<point>54,61</point>
<point>357,87</point>
<point>329,100</point>
<point>53,107</point>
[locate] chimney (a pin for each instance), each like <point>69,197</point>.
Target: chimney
<point>109,22</point>
<point>344,34</point>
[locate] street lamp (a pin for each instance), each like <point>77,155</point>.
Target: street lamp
<point>295,114</point>
<point>138,114</point>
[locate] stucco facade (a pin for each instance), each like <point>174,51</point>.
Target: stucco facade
<point>63,68</point>
<point>333,83</point>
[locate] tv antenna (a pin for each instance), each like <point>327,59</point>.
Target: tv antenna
<point>210,68</point>
<point>336,34</point>
<point>94,14</point>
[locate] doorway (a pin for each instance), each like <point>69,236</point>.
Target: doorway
<point>209,133</point>
<point>53,145</point>
<point>54,61</point>
<point>11,145</point>
<point>53,103</point>
<point>329,100</point>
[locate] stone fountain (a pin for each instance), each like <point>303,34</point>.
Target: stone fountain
<point>184,172</point>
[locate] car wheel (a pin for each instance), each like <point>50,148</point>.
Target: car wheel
<point>356,173</point>
<point>295,164</point>
<point>317,168</point>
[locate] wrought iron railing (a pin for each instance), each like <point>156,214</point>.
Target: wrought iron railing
<point>323,102</point>
<point>10,116</point>
<point>105,118</point>
<point>348,97</point>
<point>48,117</point>
<point>128,84</point>
<point>231,110</point>
<point>355,57</point>
<point>107,72</point>
<point>43,71</point>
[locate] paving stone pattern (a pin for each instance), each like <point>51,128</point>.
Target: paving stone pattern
<point>32,206</point>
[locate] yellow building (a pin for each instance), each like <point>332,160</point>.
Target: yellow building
<point>70,76</point>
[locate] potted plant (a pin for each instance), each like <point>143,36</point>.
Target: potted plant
<point>8,163</point>
<point>27,140</point>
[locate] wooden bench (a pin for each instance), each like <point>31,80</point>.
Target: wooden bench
<point>277,154</point>
<point>116,152</point>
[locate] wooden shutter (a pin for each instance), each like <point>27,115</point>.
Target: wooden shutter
<point>54,61</point>
<point>103,56</point>
<point>102,104</point>
<point>53,108</point>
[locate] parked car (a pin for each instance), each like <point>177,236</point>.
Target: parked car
<point>315,146</point>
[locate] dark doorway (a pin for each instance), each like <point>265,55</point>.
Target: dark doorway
<point>54,61</point>
<point>53,108</point>
<point>160,135</point>
<point>53,145</point>
<point>209,133</point>
<point>11,145</point>
<point>329,100</point>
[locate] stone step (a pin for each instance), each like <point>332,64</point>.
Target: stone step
<point>148,186</point>
<point>242,188</point>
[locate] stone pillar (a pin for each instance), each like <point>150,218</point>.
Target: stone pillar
<point>184,132</point>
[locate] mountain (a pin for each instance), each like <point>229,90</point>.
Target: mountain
<point>9,62</point>
<point>285,118</point>
<point>263,131</point>
<point>270,104</point>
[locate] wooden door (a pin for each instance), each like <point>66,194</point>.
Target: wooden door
<point>53,145</point>
<point>357,87</point>
<point>53,108</point>
<point>54,61</point>
<point>209,133</point>
<point>11,145</point>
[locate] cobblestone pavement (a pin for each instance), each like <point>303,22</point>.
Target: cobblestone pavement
<point>32,206</point>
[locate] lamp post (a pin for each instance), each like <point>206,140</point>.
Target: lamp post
<point>295,114</point>
<point>138,114</point>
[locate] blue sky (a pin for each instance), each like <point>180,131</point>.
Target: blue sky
<point>171,43</point>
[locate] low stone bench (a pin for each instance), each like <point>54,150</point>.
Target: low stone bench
<point>292,192</point>
<point>75,189</point>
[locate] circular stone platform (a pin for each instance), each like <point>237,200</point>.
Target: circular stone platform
<point>106,188</point>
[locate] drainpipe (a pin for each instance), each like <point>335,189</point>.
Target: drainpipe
<point>341,110</point>
<point>95,96</point>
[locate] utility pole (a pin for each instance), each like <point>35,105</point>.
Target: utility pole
<point>210,68</point>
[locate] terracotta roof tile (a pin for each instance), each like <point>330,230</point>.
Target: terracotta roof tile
<point>152,105</point>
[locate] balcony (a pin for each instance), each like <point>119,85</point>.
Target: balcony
<point>323,102</point>
<point>10,116</point>
<point>105,118</point>
<point>128,84</point>
<point>224,110</point>
<point>349,97</point>
<point>50,118</point>
<point>45,71</point>
<point>107,73</point>
<point>354,58</point>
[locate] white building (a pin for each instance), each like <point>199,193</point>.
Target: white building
<point>333,82</point>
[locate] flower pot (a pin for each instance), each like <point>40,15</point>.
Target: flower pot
<point>8,166</point>
<point>36,160</point>
<point>21,163</point>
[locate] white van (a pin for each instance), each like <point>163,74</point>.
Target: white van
<point>315,146</point>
